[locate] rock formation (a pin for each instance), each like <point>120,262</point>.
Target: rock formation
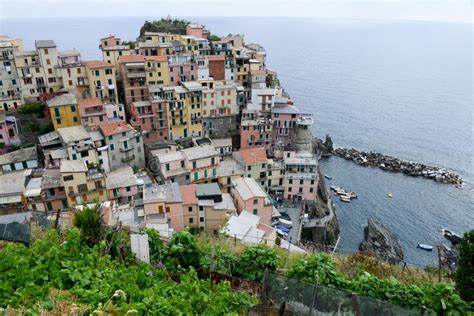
<point>381,242</point>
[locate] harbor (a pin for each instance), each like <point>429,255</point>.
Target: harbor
<point>393,164</point>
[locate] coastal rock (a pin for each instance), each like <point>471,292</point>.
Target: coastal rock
<point>322,148</point>
<point>381,242</point>
<point>389,163</point>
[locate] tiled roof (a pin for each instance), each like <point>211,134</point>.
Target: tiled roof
<point>120,178</point>
<point>248,188</point>
<point>22,154</point>
<point>115,128</point>
<point>63,99</point>
<point>258,72</point>
<point>84,103</point>
<point>216,58</point>
<point>44,43</point>
<point>131,59</point>
<point>96,64</point>
<point>157,58</point>
<point>188,192</point>
<point>253,156</point>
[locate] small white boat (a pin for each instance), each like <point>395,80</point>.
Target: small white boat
<point>288,224</point>
<point>334,188</point>
<point>425,247</point>
<point>352,194</point>
<point>345,198</point>
<point>341,192</point>
<point>389,194</point>
<point>327,177</point>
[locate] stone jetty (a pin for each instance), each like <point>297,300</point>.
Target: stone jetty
<point>389,163</point>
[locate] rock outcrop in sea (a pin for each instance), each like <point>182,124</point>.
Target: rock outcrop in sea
<point>381,242</point>
<point>389,163</point>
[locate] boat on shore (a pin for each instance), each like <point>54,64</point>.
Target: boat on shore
<point>452,237</point>
<point>425,247</point>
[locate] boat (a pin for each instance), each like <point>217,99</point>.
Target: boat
<point>352,194</point>
<point>285,222</point>
<point>425,247</point>
<point>334,188</point>
<point>452,237</point>
<point>341,192</point>
<point>345,198</point>
<point>389,194</point>
<point>327,177</point>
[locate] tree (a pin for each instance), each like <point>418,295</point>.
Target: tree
<point>89,221</point>
<point>255,260</point>
<point>182,252</point>
<point>465,272</point>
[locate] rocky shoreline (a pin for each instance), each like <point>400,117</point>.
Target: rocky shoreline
<point>389,163</point>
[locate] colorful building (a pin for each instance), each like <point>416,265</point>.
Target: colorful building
<point>102,81</point>
<point>92,112</point>
<point>63,110</point>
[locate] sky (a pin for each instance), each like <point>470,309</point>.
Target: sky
<point>414,10</point>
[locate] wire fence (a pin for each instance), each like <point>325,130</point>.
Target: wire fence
<point>295,297</point>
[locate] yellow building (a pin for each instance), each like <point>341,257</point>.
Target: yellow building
<point>82,184</point>
<point>190,44</point>
<point>157,70</point>
<point>112,48</point>
<point>102,81</point>
<point>64,111</point>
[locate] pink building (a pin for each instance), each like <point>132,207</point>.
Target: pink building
<point>150,118</point>
<point>256,132</point>
<point>284,119</point>
<point>249,196</point>
<point>182,68</point>
<point>92,112</point>
<point>163,208</point>
<point>8,130</point>
<point>300,181</point>
<point>197,30</point>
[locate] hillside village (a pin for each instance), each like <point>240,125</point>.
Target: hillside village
<point>173,131</point>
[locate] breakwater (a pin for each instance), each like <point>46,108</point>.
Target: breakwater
<point>393,164</point>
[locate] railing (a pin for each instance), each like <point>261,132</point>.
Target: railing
<point>128,158</point>
<point>124,150</point>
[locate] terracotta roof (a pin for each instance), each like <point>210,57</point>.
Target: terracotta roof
<point>95,64</point>
<point>131,59</point>
<point>188,192</point>
<point>258,72</point>
<point>216,57</point>
<point>157,58</point>
<point>252,156</point>
<point>115,128</point>
<point>107,37</point>
<point>85,103</point>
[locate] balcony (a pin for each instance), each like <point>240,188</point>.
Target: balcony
<point>124,150</point>
<point>128,158</point>
<point>134,75</point>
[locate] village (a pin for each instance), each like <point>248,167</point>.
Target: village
<point>173,131</point>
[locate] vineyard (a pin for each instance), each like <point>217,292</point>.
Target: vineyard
<point>68,273</point>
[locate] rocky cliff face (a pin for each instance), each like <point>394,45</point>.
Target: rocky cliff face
<point>381,242</point>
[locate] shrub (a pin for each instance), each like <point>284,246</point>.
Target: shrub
<point>31,108</point>
<point>254,260</point>
<point>89,221</point>
<point>465,272</point>
<point>182,252</point>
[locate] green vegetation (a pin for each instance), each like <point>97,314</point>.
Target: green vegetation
<point>58,275</point>
<point>214,38</point>
<point>89,221</point>
<point>34,127</point>
<point>129,43</point>
<point>176,26</point>
<point>465,272</point>
<point>49,127</point>
<point>87,269</point>
<point>32,108</point>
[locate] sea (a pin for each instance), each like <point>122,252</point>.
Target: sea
<point>401,88</point>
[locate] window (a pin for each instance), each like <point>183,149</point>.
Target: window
<point>75,119</point>
<point>201,219</point>
<point>137,139</point>
<point>190,208</point>
<point>311,190</point>
<point>58,121</point>
<point>108,71</point>
<point>290,181</point>
<point>167,166</point>
<point>249,168</point>
<point>48,62</point>
<point>73,108</point>
<point>168,209</point>
<point>50,71</point>
<point>112,147</point>
<point>191,220</point>
<point>68,178</point>
<point>97,73</point>
<point>110,82</point>
<point>289,189</point>
<point>128,189</point>
<point>255,211</point>
<point>301,181</point>
<point>194,165</point>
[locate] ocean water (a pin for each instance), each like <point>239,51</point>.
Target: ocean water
<point>400,88</point>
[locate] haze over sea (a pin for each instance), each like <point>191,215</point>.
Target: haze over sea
<point>400,88</point>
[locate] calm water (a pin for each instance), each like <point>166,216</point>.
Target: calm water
<point>401,88</point>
